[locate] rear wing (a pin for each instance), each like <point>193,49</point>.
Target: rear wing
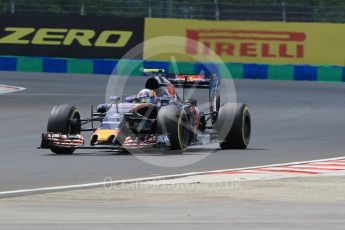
<point>192,80</point>
<point>210,81</point>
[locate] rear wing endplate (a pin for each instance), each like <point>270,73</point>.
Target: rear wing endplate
<point>210,81</point>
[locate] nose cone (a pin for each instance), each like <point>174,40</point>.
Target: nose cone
<point>105,135</point>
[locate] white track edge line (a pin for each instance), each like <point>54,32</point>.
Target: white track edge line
<point>145,179</point>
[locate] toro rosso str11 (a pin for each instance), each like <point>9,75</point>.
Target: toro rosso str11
<point>157,117</point>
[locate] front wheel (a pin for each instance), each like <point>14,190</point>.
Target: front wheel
<point>233,125</point>
<point>64,119</point>
<point>62,151</point>
<point>173,121</point>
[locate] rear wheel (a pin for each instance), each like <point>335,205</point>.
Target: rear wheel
<point>64,119</point>
<point>173,121</point>
<point>237,117</point>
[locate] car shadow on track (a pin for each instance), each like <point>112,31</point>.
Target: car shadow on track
<point>192,151</point>
<point>243,150</point>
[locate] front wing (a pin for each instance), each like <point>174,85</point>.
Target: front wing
<point>58,140</point>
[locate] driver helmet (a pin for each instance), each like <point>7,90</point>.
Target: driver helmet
<point>147,96</point>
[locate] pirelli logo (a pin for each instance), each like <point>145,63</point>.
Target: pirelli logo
<point>246,43</point>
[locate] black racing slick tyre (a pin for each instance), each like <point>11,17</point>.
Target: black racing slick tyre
<point>233,126</point>
<point>173,121</point>
<point>64,119</point>
<point>62,151</point>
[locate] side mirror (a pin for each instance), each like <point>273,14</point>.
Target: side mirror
<point>114,98</point>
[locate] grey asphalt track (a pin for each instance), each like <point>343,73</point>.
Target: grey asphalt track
<point>292,121</point>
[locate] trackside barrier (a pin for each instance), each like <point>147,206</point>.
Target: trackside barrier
<point>272,43</point>
<point>238,70</point>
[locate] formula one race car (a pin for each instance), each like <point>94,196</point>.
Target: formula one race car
<point>157,118</point>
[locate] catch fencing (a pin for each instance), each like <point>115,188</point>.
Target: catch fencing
<point>258,10</point>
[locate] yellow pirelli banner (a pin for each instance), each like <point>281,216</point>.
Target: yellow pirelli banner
<point>248,41</point>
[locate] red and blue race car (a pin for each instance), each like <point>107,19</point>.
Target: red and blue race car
<point>157,118</point>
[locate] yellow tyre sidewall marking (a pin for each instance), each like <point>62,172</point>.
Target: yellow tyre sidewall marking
<point>72,115</point>
<point>245,109</point>
<point>179,130</point>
